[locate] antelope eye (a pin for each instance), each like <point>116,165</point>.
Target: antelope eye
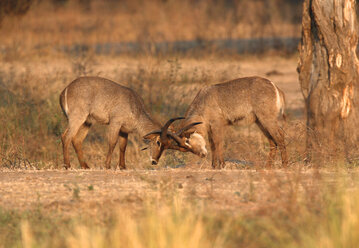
<point>158,143</point>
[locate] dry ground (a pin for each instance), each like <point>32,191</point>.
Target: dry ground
<point>99,191</point>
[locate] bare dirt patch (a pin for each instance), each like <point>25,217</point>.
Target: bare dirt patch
<point>96,190</point>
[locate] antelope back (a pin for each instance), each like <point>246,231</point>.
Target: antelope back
<point>102,100</point>
<point>237,100</point>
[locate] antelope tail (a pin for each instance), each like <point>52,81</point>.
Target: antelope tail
<point>63,102</point>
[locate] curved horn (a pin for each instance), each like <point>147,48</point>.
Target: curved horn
<point>180,148</point>
<point>179,133</point>
<point>176,138</point>
<point>153,132</point>
<point>164,129</point>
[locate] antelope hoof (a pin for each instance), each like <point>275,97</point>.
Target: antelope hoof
<point>85,166</point>
<point>122,167</point>
<point>285,166</point>
<point>67,166</point>
<point>216,167</point>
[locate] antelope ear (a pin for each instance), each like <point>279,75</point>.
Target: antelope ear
<point>188,144</point>
<point>151,135</point>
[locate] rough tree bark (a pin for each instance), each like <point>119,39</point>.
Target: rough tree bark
<point>328,76</point>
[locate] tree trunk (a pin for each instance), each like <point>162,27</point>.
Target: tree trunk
<point>328,75</point>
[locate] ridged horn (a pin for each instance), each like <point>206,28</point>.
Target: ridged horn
<point>164,129</point>
<point>180,132</point>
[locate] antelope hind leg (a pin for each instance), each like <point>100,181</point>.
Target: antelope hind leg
<point>77,143</point>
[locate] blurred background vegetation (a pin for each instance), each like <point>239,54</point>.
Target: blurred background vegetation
<point>96,21</point>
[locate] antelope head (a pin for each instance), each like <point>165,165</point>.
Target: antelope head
<point>165,139</point>
<point>193,140</point>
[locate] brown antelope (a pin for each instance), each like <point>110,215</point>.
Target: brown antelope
<point>87,100</point>
<point>245,100</point>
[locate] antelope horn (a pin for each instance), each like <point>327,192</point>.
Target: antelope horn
<point>164,129</point>
<point>180,148</point>
<point>179,141</point>
<point>179,133</point>
<point>172,135</point>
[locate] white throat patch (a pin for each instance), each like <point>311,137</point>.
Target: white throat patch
<point>198,139</point>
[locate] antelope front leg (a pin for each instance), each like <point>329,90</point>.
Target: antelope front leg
<point>213,149</point>
<point>123,144</point>
<point>113,134</point>
<point>216,142</point>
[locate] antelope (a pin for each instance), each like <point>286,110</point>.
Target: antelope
<point>89,100</point>
<point>244,100</point>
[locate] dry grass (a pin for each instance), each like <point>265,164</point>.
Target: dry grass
<point>180,208</point>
